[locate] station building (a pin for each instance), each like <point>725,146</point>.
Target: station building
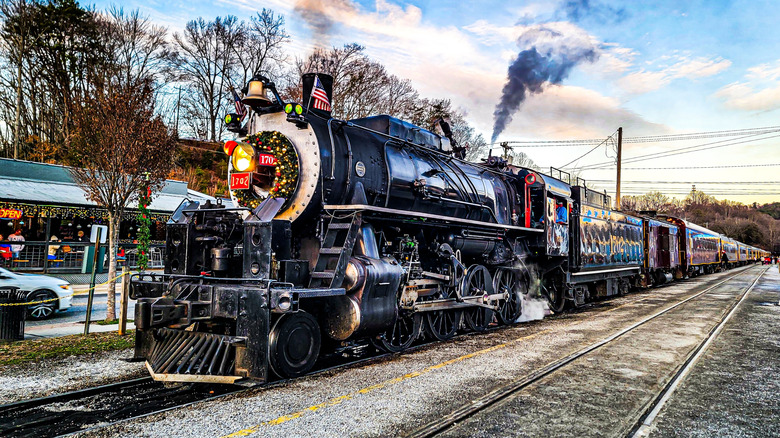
<point>44,201</point>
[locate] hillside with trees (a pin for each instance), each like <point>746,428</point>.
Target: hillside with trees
<point>752,224</point>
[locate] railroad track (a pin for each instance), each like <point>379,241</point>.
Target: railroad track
<point>111,404</point>
<point>106,405</point>
<point>649,411</point>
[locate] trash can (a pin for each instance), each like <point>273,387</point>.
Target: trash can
<point>12,317</point>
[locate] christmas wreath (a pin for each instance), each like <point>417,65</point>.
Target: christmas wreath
<point>278,180</point>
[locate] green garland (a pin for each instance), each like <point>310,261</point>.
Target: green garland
<point>145,221</point>
<point>285,172</point>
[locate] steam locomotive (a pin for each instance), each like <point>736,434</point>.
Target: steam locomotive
<point>375,231</point>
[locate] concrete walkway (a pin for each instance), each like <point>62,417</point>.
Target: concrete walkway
<point>69,328</point>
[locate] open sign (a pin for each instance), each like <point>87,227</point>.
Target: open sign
<point>266,160</point>
<point>240,181</point>
<point>9,213</point>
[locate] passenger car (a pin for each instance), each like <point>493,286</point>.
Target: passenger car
<point>41,288</point>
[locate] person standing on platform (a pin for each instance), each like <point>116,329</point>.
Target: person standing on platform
<point>16,237</point>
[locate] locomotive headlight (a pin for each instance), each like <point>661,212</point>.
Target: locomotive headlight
<point>244,158</point>
<point>288,108</point>
<point>298,109</point>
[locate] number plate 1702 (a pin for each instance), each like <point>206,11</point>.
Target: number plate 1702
<point>240,181</point>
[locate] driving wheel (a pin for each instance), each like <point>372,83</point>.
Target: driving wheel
<point>443,324</point>
<point>556,298</point>
<point>401,335</point>
<point>508,281</point>
<point>477,283</point>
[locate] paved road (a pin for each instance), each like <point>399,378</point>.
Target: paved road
<point>78,312</point>
<point>71,321</point>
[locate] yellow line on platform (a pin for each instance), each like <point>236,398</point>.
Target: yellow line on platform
<point>338,400</point>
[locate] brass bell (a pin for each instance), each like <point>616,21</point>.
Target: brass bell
<point>255,96</point>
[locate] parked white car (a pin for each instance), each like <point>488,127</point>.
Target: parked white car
<point>41,287</point>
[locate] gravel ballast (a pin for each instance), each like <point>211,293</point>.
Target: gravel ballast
<point>54,376</point>
<point>402,394</point>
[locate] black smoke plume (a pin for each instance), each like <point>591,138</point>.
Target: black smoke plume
<point>530,71</point>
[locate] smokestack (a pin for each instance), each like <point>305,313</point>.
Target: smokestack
<point>326,81</point>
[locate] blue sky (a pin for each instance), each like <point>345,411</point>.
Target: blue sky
<point>662,67</point>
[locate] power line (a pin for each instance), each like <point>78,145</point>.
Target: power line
<point>703,167</point>
<point>647,138</point>
<point>606,181</point>
<point>586,153</point>
<point>685,150</point>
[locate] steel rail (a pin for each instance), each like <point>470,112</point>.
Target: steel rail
<point>502,392</point>
<point>70,396</point>
<point>652,410</point>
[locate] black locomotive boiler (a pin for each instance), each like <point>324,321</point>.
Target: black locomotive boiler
<point>367,231</point>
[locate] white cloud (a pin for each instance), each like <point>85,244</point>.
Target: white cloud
<point>468,65</point>
<point>758,91</point>
<point>644,81</point>
<point>770,72</point>
<point>742,96</point>
<point>699,68</point>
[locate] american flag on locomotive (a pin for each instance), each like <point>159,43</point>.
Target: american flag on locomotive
<point>320,96</point>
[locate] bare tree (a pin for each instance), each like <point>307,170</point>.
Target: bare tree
<point>207,56</point>
<point>121,145</point>
<point>260,46</point>
<point>401,97</point>
<point>653,201</point>
<point>17,16</point>
<point>139,49</point>
<point>50,53</point>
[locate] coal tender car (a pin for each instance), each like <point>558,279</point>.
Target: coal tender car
<point>366,232</point>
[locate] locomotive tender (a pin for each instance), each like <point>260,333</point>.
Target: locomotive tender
<point>375,231</point>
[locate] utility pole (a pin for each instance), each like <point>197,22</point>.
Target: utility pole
<point>619,158</point>
<point>507,148</point>
<point>178,102</point>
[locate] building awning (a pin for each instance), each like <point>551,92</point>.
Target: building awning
<point>24,182</point>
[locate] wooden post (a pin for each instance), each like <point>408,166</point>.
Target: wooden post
<point>619,159</point>
<point>123,302</point>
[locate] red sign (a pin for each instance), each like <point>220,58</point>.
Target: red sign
<point>7,213</point>
<point>240,181</point>
<point>266,160</point>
